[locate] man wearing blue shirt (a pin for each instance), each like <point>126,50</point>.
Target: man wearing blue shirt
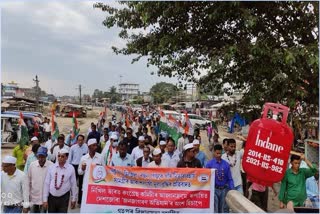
<point>122,158</point>
<point>200,155</point>
<point>223,180</point>
<point>312,186</point>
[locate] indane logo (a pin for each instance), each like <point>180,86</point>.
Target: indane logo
<point>267,144</point>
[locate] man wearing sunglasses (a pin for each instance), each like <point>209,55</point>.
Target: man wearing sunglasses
<point>188,159</point>
<point>130,140</point>
<point>60,180</point>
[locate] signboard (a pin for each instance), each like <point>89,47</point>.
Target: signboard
<point>140,190</point>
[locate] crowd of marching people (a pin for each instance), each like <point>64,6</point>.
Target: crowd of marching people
<point>46,176</point>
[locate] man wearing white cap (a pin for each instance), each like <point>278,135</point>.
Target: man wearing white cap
<point>171,156</point>
<point>32,157</point>
<point>162,146</point>
<point>200,155</point>
<point>14,191</point>
<point>110,149</point>
<point>157,161</point>
<point>188,160</point>
<point>36,176</point>
<point>137,152</point>
<point>76,152</point>
<point>60,179</point>
<point>58,147</point>
<point>34,140</point>
<point>93,157</point>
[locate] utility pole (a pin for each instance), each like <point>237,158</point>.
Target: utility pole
<point>79,88</point>
<point>37,92</point>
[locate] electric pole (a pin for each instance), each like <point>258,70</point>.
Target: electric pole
<point>79,88</point>
<point>37,92</point>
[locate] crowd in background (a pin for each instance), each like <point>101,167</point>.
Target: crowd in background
<point>45,176</point>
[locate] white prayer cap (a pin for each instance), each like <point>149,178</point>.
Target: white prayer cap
<point>34,138</point>
<point>92,141</point>
<point>63,151</point>
<point>141,138</point>
<point>114,137</point>
<point>188,146</point>
<point>9,159</point>
<point>196,142</point>
<point>162,142</point>
<point>156,151</point>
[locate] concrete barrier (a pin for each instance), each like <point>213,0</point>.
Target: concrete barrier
<point>240,204</point>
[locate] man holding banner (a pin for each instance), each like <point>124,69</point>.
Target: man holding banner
<point>92,157</point>
<point>157,161</point>
<point>122,158</point>
<point>171,155</point>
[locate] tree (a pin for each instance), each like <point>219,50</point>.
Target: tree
<point>97,94</point>
<point>162,92</point>
<point>87,98</point>
<point>137,100</point>
<point>269,50</point>
<point>114,95</point>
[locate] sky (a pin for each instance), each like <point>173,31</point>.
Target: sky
<point>65,44</point>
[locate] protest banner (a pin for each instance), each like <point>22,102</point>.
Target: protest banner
<point>153,190</point>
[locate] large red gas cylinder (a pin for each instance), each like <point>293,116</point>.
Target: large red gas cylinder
<point>268,146</point>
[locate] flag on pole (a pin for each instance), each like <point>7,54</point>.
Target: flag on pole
<point>188,129</point>
<point>23,132</point>
<point>75,129</point>
<point>36,131</point>
<point>172,122</point>
<point>162,115</point>
<point>127,122</point>
<point>169,131</point>
<point>54,127</point>
<point>105,116</point>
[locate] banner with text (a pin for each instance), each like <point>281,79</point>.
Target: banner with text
<point>148,190</point>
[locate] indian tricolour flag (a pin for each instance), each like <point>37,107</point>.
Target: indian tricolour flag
<point>54,127</point>
<point>75,129</point>
<point>188,129</point>
<point>23,132</point>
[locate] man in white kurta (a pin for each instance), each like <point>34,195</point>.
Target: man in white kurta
<point>92,157</point>
<point>36,178</point>
<point>60,180</point>
<point>233,158</point>
<point>14,193</point>
<point>157,161</point>
<point>172,155</point>
<point>137,151</point>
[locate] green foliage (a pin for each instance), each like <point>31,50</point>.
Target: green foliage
<point>267,49</point>
<point>137,100</point>
<point>112,94</point>
<point>162,92</point>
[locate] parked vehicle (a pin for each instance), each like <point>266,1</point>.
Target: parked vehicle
<point>26,114</point>
<point>8,136</point>
<point>69,109</point>
<point>175,114</point>
<point>197,121</point>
